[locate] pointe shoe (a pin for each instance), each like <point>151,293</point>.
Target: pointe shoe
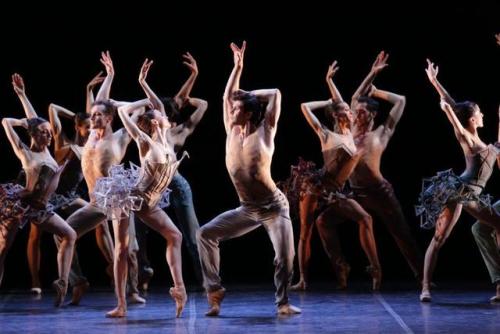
<point>214,300</point>
<point>342,271</point>
<point>78,292</point>
<point>376,274</point>
<point>135,298</point>
<point>300,286</point>
<point>118,312</point>
<point>61,288</point>
<point>288,309</point>
<point>495,299</point>
<point>36,290</point>
<point>425,296</point>
<point>180,297</point>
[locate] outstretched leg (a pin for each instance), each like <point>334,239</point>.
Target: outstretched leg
<point>444,225</point>
<point>279,227</point>
<point>158,220</point>
<point>121,232</point>
<point>228,225</point>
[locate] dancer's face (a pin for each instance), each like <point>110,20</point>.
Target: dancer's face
<point>161,120</point>
<point>98,118</point>
<point>343,114</point>
<point>83,128</point>
<point>363,115</point>
<point>43,134</point>
<point>477,117</point>
<point>240,116</point>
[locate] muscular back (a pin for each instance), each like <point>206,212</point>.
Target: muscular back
<point>248,161</point>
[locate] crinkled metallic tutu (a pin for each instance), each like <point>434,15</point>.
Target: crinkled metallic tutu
<point>13,208</point>
<point>442,189</point>
<point>306,179</point>
<point>117,191</point>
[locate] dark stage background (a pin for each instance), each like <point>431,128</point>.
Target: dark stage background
<point>289,48</point>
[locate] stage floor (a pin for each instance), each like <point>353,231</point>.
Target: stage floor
<point>250,309</point>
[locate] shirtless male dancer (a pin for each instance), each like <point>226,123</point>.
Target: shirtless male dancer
<point>250,129</point>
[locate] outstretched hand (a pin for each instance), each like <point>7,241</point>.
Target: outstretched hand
<point>96,80</point>
<point>497,36</point>
<point>432,71</point>
<point>380,62</point>
<point>107,62</point>
<point>190,62</point>
<point>238,53</point>
<point>145,70</point>
<point>18,83</point>
<point>332,69</point>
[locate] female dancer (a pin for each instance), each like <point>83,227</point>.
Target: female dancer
<point>444,196</point>
<point>29,204</point>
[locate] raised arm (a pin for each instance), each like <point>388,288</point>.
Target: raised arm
<point>432,72</point>
<point>308,109</point>
<point>332,69</point>
<point>398,105</point>
<point>130,121</point>
<point>182,131</point>
<point>378,65</point>
<point>497,36</point>
<point>155,100</point>
<point>460,131</point>
<point>15,141</point>
<point>181,98</point>
<point>55,122</point>
<point>272,100</point>
<point>18,84</point>
<point>233,83</point>
<point>104,91</point>
<point>89,92</point>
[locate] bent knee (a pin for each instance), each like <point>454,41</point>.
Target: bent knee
<point>175,238</point>
<point>69,236</point>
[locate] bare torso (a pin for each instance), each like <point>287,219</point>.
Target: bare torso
<point>248,161</point>
<point>367,172</point>
<point>99,154</point>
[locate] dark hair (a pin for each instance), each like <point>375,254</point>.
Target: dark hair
<point>332,109</point>
<point>250,104</point>
<point>464,111</point>
<point>109,108</point>
<point>171,109</point>
<point>372,105</point>
<point>81,117</point>
<point>144,121</point>
<point>33,124</point>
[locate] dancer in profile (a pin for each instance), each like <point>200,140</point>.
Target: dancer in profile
<point>445,195</point>
<point>250,120</point>
<point>30,204</point>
